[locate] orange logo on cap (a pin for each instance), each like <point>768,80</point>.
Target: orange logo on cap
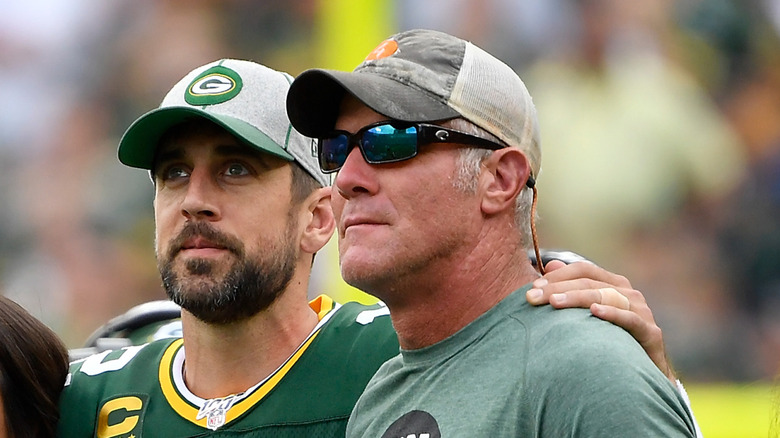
<point>383,50</point>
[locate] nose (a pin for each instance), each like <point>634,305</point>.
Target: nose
<point>355,176</point>
<point>200,198</point>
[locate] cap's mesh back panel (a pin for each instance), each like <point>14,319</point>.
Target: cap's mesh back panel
<point>490,94</point>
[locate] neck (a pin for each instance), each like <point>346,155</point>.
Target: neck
<point>256,346</point>
<point>430,306</point>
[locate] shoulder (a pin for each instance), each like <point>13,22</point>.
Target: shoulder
<point>117,367</point>
<point>356,319</point>
<point>549,326</point>
<point>580,351</point>
<point>343,355</point>
<point>360,332</point>
<point>376,316</point>
<point>595,371</point>
<point>569,339</point>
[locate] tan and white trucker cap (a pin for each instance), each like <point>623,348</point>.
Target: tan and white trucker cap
<point>423,76</point>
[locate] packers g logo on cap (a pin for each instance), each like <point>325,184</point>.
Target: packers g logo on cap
<point>215,85</point>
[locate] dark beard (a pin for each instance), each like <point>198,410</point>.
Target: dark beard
<point>249,287</point>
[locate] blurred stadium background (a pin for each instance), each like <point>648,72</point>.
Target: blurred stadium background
<point>660,130</point>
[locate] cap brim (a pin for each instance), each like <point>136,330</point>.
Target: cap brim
<point>315,96</point>
<point>138,145</point>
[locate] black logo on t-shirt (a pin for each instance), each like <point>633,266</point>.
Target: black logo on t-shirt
<point>414,424</point>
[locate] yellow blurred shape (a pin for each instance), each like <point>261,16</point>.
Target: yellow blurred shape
<point>730,410</point>
<point>349,29</point>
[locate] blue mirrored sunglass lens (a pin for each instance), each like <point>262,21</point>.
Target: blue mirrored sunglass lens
<point>387,143</point>
<point>333,152</point>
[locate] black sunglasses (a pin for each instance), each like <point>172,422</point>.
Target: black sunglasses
<point>389,142</point>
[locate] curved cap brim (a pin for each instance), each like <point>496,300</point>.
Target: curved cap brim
<point>314,99</point>
<point>138,146</point>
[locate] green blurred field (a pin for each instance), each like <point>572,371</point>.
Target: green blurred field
<point>735,411</point>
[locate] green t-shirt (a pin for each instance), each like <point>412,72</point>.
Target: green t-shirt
<point>139,391</point>
<point>523,371</point>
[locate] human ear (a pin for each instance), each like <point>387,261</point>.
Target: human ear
<point>507,171</point>
<point>319,222</point>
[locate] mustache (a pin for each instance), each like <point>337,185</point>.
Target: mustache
<point>202,229</point>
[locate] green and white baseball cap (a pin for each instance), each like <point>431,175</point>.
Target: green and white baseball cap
<point>424,75</point>
<point>245,98</point>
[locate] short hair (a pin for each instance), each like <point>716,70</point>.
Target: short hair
<point>33,367</point>
<point>303,184</point>
<point>469,164</point>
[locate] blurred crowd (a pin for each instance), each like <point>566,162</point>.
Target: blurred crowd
<point>660,127</point>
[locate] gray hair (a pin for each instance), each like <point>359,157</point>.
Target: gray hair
<point>469,166</point>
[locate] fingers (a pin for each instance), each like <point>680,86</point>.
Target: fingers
<point>583,271</point>
<point>553,265</point>
<point>572,298</point>
<point>627,319</point>
<point>645,331</point>
<point>580,283</point>
<point>609,296</point>
<point>583,293</point>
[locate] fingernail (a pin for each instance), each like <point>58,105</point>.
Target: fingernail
<point>558,299</point>
<point>540,282</point>
<point>534,294</point>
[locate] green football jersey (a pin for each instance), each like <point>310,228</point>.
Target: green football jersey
<point>139,391</point>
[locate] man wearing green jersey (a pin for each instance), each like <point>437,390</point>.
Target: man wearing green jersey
<point>240,211</point>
